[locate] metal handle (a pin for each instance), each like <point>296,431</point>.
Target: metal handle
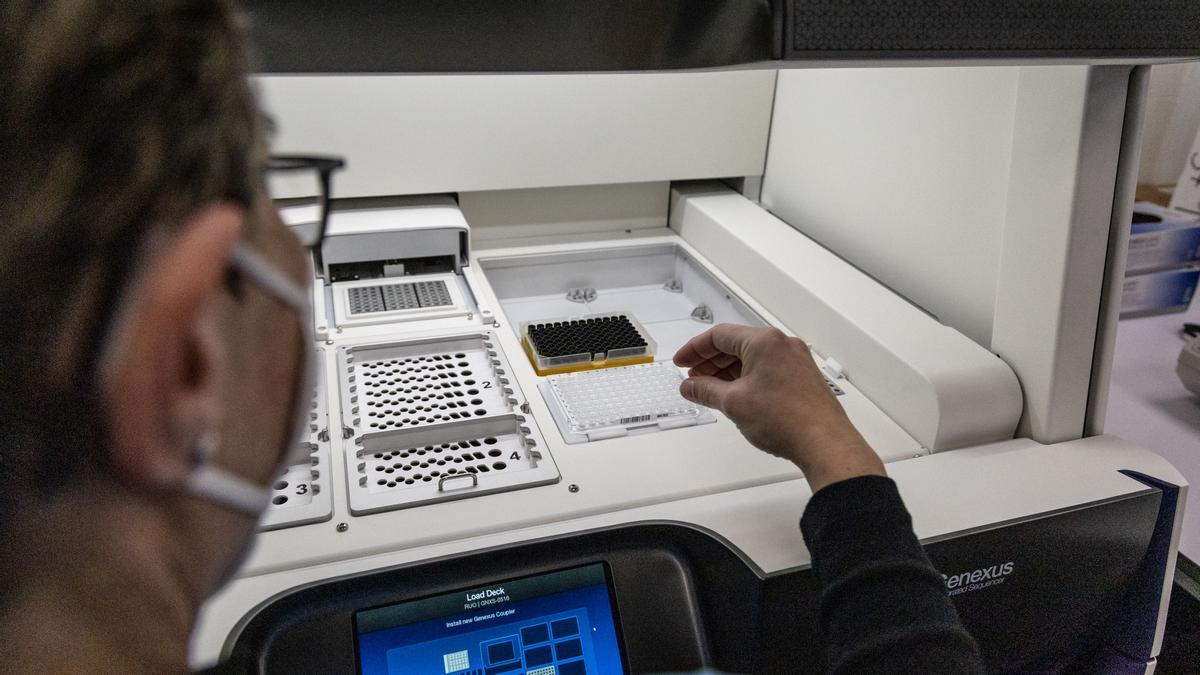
<point>442,481</point>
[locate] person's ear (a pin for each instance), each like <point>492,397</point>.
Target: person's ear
<point>160,375</point>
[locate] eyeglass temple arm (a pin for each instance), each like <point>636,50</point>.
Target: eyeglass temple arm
<point>323,163</point>
<point>326,200</point>
<point>325,166</point>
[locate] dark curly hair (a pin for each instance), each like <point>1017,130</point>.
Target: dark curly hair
<point>117,120</point>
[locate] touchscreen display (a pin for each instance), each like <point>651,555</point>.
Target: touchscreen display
<point>562,623</point>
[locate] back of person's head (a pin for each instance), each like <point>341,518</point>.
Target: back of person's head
<point>117,119</point>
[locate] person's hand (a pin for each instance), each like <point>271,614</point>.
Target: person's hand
<point>769,386</point>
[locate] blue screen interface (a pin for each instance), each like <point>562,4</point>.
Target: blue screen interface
<point>562,623</point>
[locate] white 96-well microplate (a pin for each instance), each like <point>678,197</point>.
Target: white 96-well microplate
<point>593,405</point>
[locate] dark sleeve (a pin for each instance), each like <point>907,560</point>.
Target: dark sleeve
<point>884,608</point>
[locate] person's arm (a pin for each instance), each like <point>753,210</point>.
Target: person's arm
<point>884,608</point>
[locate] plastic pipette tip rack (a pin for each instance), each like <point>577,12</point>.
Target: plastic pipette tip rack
<point>585,343</point>
<point>591,335</point>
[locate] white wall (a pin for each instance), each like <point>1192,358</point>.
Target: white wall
<point>1172,119</point>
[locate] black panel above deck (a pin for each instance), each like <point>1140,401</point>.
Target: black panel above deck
<point>448,36</point>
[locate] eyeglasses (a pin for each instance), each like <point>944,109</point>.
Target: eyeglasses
<point>301,185</point>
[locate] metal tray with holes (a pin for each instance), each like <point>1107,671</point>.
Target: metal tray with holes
<point>404,395</point>
<point>302,493</point>
<point>418,383</point>
<point>411,467</point>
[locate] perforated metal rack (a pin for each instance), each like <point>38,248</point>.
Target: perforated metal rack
<point>403,385</point>
<point>302,493</point>
<point>444,462</point>
<point>433,420</point>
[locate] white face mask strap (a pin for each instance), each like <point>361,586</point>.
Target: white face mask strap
<point>223,487</point>
<point>207,480</point>
<point>263,273</point>
<point>249,262</point>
